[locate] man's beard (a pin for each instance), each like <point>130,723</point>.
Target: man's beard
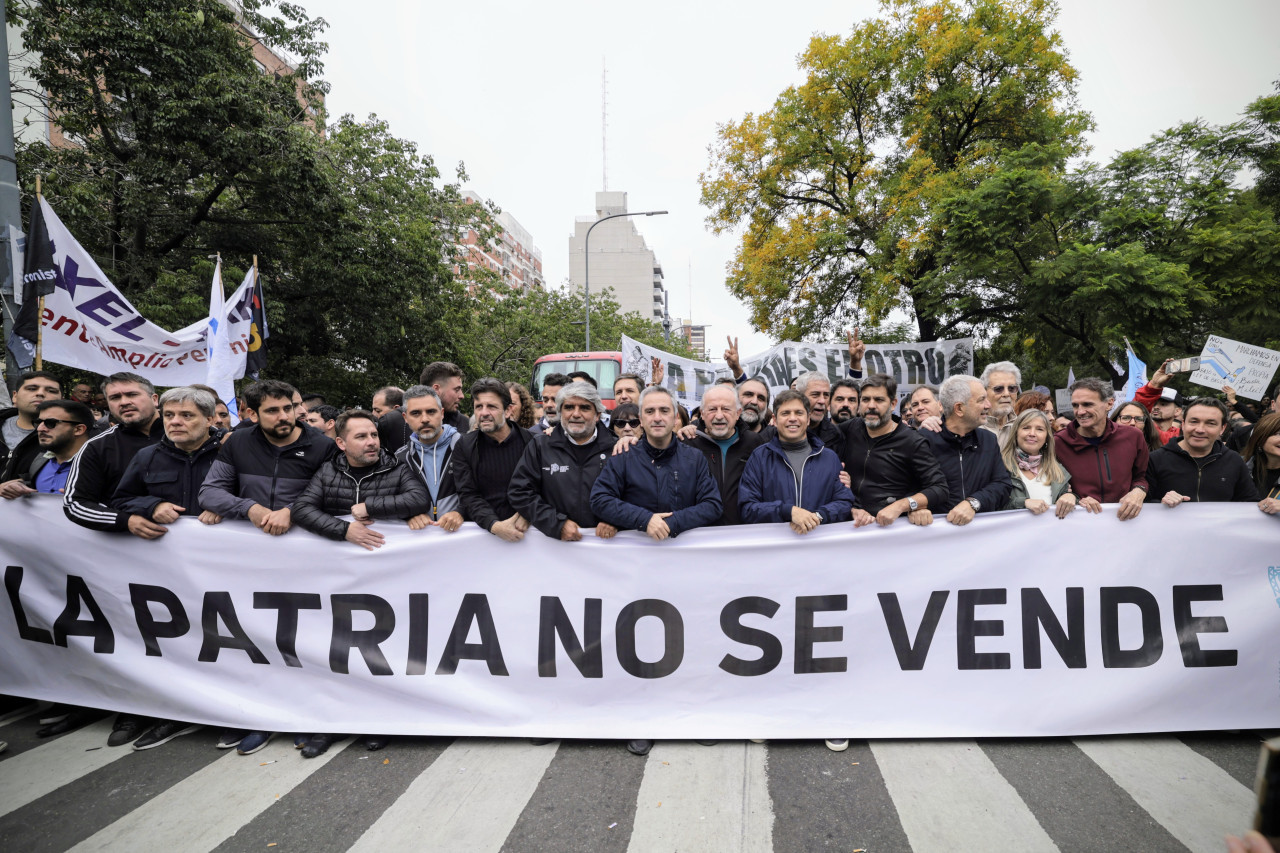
<point>842,414</point>
<point>750,416</point>
<point>875,420</point>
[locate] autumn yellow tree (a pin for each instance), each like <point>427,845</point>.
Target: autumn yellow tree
<point>836,188</point>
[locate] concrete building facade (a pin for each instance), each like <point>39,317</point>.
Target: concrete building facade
<point>620,259</point>
<point>511,254</point>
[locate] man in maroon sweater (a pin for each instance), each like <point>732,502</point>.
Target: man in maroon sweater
<point>1107,461</point>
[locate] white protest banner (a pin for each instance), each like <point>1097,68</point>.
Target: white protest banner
<point>998,628</point>
<point>89,324</point>
<point>1246,368</point>
<point>910,364</point>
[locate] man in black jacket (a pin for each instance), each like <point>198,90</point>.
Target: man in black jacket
<point>977,479</point>
<point>363,481</point>
<point>62,428</point>
<point>97,472</point>
<point>257,475</point>
<point>17,423</point>
<point>102,461</point>
<point>163,481</point>
<point>485,459</point>
<point>726,444</point>
<point>1198,467</point>
<point>551,486</point>
<point>891,469</point>
<point>161,485</point>
<point>259,472</point>
<point>445,378</point>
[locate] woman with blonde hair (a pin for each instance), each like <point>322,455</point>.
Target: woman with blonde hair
<point>1038,478</point>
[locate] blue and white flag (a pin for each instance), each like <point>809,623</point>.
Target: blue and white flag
<point>223,366</point>
<point>1137,375</point>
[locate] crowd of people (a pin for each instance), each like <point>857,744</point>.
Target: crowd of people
<point>557,460</point>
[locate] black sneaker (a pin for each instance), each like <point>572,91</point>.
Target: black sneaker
<point>318,745</point>
<point>163,732</point>
<point>230,738</point>
<point>375,742</point>
<point>126,730</point>
<point>639,747</point>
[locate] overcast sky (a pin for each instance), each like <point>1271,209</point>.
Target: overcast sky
<point>513,90</point>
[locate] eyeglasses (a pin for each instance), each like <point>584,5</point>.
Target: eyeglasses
<point>1137,419</point>
<point>52,423</point>
<point>626,422</point>
<point>1002,389</point>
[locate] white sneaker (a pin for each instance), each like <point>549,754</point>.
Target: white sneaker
<point>837,744</point>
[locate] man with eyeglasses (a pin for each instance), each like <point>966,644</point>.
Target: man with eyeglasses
<point>62,428</point>
<point>1003,380</point>
<point>551,385</point>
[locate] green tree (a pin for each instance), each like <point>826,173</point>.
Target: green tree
<point>1164,245</point>
<point>836,187</point>
<point>181,143</point>
<point>368,296</point>
<point>510,330</point>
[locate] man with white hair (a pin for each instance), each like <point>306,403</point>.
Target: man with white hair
<point>1003,382</point>
<point>977,479</point>
<point>551,486</point>
<point>726,444</point>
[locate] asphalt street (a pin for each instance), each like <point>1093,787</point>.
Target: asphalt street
<point>1141,793</point>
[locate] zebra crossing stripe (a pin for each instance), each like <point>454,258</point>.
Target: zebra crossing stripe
<point>207,807</point>
<point>468,799</point>
<point>951,797</point>
<point>695,797</point>
<point>1193,798</point>
<point>29,776</point>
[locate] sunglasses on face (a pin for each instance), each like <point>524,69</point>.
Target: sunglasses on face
<point>52,423</point>
<point>1003,389</point>
<point>627,422</point>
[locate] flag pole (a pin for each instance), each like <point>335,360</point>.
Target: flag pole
<point>40,313</point>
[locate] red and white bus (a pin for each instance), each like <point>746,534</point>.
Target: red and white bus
<point>603,367</point>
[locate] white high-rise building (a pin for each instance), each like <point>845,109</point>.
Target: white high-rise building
<point>620,259</point>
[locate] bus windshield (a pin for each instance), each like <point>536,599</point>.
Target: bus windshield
<point>602,370</point>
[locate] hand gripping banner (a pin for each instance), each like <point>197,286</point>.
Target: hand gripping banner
<point>1015,625</point>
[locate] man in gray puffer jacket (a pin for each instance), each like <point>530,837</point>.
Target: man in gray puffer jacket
<point>364,482</point>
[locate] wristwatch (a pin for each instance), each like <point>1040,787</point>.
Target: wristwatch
<point>913,504</point>
<point>975,503</point>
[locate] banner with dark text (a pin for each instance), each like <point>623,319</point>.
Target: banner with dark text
<point>910,364</point>
<point>1015,625</point>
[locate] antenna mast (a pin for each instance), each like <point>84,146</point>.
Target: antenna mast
<point>604,123</point>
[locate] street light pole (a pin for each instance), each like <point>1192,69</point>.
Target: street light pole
<point>586,259</point>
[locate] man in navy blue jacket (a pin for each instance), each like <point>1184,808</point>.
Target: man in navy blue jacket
<point>977,479</point>
<point>661,486</point>
<point>793,477</point>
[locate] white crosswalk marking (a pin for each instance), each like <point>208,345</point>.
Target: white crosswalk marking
<point>36,772</point>
<point>951,797</point>
<point>696,797</point>
<point>207,807</point>
<point>468,799</point>
<point>1193,798</point>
